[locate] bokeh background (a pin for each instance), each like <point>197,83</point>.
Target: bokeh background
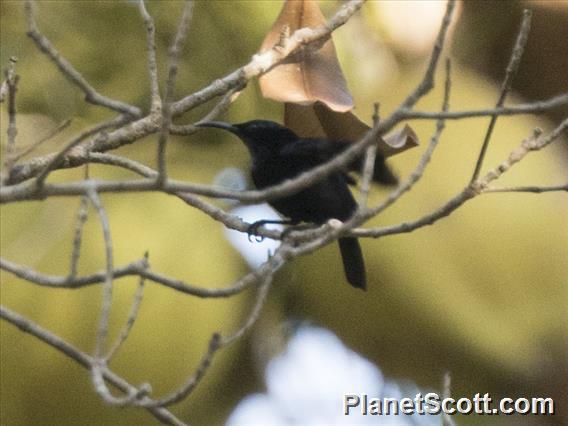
<point>482,294</point>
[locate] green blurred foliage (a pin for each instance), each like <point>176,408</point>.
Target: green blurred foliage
<point>482,293</point>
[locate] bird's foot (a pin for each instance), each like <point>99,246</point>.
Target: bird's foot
<point>252,231</point>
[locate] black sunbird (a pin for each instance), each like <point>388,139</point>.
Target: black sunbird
<point>278,154</point>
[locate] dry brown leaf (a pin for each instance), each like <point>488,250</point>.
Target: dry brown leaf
<point>317,121</point>
<point>310,75</point>
<point>401,140</point>
<point>313,88</point>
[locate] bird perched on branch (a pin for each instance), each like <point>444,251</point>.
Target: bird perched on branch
<point>279,154</point>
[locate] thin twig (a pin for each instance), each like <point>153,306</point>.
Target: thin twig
<point>156,102</point>
<point>426,156</point>
<point>99,363</point>
<point>91,95</point>
<point>219,108</point>
<point>173,56</point>
<point>527,108</point>
<point>470,191</point>
<point>193,380</point>
<point>231,221</point>
<point>107,288</point>
<point>132,269</point>
<point>82,214</point>
<point>132,315</point>
<point>534,143</point>
<point>27,326</point>
<point>530,189</point>
<point>510,73</point>
<point>368,165</point>
<point>262,294</point>
<point>217,342</point>
<point>62,126</point>
<point>447,393</point>
<point>57,158</point>
<point>12,86</point>
<point>427,82</point>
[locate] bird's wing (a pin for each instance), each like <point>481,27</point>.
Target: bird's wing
<point>314,151</point>
<point>317,151</point>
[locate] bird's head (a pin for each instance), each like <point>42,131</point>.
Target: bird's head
<point>257,134</point>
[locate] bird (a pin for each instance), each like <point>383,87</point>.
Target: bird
<point>279,154</point>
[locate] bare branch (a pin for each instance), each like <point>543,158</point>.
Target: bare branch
<point>193,380</point>
<point>139,268</point>
<point>533,189</point>
<point>426,157</point>
<point>27,326</point>
<point>173,54</point>
<point>368,165</point>
<point>528,108</point>
<point>447,419</point>
<point>470,191</point>
<point>100,359</point>
<point>54,161</point>
<point>75,252</point>
<point>512,68</point>
<point>58,281</point>
<point>12,87</point>
<point>60,127</point>
<point>229,220</point>
<point>91,95</point>
<point>255,313</point>
<point>219,108</point>
<point>534,143</point>
<point>156,102</point>
<point>132,315</point>
<point>427,82</point>
<point>217,342</point>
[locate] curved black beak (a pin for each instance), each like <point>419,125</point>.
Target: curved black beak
<point>220,125</point>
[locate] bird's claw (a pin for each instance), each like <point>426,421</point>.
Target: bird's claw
<point>252,232</point>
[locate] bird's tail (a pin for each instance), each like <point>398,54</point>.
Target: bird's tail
<point>353,263</point>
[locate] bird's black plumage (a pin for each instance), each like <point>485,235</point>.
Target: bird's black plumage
<point>279,154</point>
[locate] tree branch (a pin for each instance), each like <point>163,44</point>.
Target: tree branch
<point>155,101</point>
<point>512,68</point>
<point>12,87</point>
<point>27,326</point>
<point>173,54</point>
